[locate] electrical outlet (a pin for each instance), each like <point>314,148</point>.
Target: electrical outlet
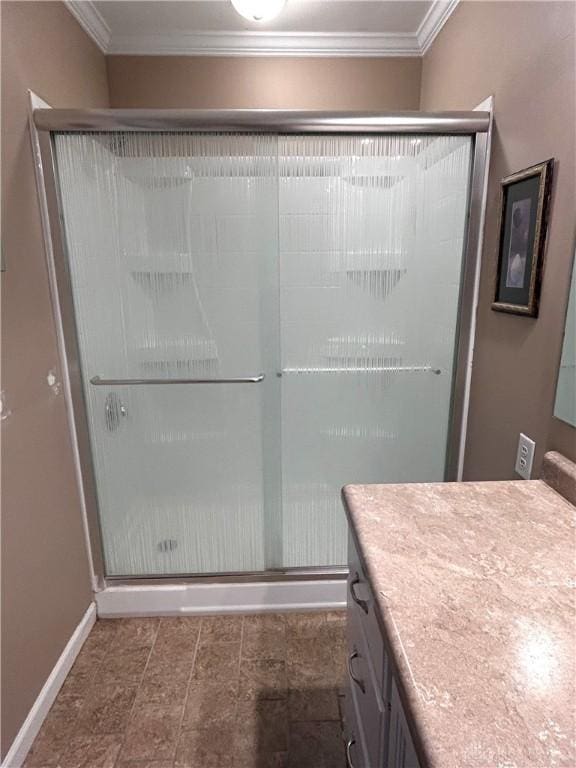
<point>525,456</point>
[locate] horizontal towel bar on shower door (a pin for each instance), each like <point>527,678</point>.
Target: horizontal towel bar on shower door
<point>98,382</point>
<point>367,369</point>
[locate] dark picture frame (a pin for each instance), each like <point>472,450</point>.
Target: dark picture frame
<point>524,209</point>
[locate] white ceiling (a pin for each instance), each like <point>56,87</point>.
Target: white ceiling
<point>304,28</point>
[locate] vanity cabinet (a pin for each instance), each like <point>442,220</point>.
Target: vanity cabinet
<point>400,749</point>
<point>376,733</point>
<point>425,550</point>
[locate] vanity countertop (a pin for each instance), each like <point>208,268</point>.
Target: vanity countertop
<point>475,592</point>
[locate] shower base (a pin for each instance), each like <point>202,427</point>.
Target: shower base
<point>180,599</point>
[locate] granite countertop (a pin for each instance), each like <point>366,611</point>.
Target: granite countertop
<point>475,591</point>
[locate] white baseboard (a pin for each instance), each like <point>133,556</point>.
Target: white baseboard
<point>179,599</point>
<point>29,730</point>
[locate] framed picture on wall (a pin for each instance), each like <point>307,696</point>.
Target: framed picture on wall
<point>524,205</point>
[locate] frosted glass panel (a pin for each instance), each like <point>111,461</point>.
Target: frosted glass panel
<point>330,264</point>
<point>172,243</point>
<point>371,234</point>
<point>565,405</point>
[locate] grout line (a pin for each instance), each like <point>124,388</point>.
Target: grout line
<point>240,659</point>
<point>146,665</point>
<point>188,686</point>
<point>138,687</point>
<point>241,644</point>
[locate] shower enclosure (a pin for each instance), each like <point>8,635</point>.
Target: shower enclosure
<point>258,308</point>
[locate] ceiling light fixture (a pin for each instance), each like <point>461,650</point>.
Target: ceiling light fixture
<point>258,10</point>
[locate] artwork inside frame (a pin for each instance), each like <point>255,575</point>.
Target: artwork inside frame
<point>524,207</point>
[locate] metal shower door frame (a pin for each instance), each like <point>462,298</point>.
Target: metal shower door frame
<point>474,124</point>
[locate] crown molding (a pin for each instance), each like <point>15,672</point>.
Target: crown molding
<point>438,14</point>
<point>91,21</point>
<point>263,43</point>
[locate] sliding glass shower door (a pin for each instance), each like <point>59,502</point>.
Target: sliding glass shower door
<point>260,319</point>
<point>371,250</point>
<point>172,244</point>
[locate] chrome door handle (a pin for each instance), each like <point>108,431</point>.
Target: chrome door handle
<point>349,744</point>
<point>114,412</point>
<point>362,603</point>
<point>98,382</point>
<point>357,680</point>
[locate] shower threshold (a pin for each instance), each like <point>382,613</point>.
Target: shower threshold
<point>270,575</point>
<point>288,590</point>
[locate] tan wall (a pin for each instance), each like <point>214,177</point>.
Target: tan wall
<point>264,82</point>
<point>531,72</point>
<point>45,582</point>
<point>523,53</point>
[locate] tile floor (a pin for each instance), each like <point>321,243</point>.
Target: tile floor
<point>258,691</point>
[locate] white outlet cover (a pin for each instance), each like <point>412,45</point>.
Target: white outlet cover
<point>524,456</point>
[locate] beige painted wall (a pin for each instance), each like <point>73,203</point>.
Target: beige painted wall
<point>45,581</point>
<point>523,53</point>
<point>45,578</point>
<point>264,82</point>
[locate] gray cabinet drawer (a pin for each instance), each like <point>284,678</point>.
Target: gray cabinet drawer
<point>401,752</point>
<point>377,731</point>
<point>365,696</point>
<point>361,606</point>
<point>354,756</point>
<point>352,734</point>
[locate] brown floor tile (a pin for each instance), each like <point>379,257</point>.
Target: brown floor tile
<point>337,617</point>
<point>328,626</point>
<point>321,647</point>
<point>92,752</point>
<point>303,677</point>
<point>210,692</point>
<point>44,765</point>
<point>77,685</point>
<point>212,747</point>
<point>144,764</point>
<point>165,681</point>
<point>209,704</point>
<point>261,727</point>
<point>221,629</point>
<point>263,760</point>
<point>316,745</point>
<point>264,637</point>
<point>304,624</point>
<point>105,628</point>
<point>217,662</point>
<point>70,704</point>
<point>124,664</point>
<point>316,661</point>
<point>313,704</point>
<point>135,633</point>
<point>335,630</point>
<point>152,732</point>
<point>268,622</point>
<point>306,676</point>
<point>54,735</point>
<point>91,656</point>
<point>262,678</point>
<point>177,637</point>
<point>107,709</point>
